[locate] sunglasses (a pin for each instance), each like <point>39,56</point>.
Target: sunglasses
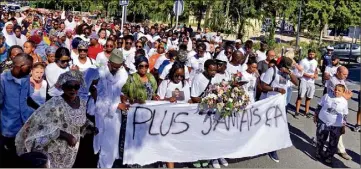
<point>139,46</point>
<point>109,46</point>
<point>179,76</point>
<point>72,86</point>
<point>65,61</point>
<point>83,50</point>
<point>128,43</point>
<point>143,66</point>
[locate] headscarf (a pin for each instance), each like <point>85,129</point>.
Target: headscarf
<point>10,39</point>
<point>72,75</point>
<point>50,50</point>
<point>139,60</point>
<point>83,45</point>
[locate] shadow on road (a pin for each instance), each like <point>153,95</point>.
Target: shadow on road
<point>354,155</point>
<point>305,144</point>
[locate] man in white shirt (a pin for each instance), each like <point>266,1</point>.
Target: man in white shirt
<point>172,42</point>
<point>218,38</point>
<point>276,80</point>
<point>307,84</point>
<point>103,57</point>
<point>196,63</point>
<point>261,53</point>
<point>182,58</point>
<point>70,23</point>
<point>128,50</point>
<point>331,70</point>
<point>226,54</point>
<point>237,64</point>
<point>250,76</point>
<point>202,81</point>
<point>222,74</point>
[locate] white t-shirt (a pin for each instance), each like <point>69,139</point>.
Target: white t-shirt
<point>152,51</point>
<point>52,73</point>
<point>70,25</point>
<point>83,67</point>
<point>280,81</point>
<point>172,44</point>
<point>218,78</point>
<point>331,84</point>
<point>197,64</point>
<point>101,59</point>
<point>102,41</point>
<point>250,87</point>
<point>217,39</point>
<point>159,61</point>
<point>235,69</point>
<point>199,84</point>
<point>39,96</point>
<point>331,70</point>
<point>20,41</point>
<point>191,54</point>
<point>128,53</point>
<point>168,89</point>
<point>309,67</point>
<point>333,110</point>
<point>261,56</point>
<point>222,56</point>
<point>167,69</point>
<point>73,55</point>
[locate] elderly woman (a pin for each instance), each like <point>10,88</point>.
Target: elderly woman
<point>83,61</point>
<point>9,34</point>
<point>140,86</point>
<point>56,127</point>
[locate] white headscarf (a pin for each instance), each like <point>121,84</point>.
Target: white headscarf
<point>10,39</point>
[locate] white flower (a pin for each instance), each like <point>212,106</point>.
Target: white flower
<point>230,100</point>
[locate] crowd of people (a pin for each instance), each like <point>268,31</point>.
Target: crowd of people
<point>67,83</point>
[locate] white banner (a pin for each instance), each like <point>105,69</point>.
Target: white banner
<point>160,131</point>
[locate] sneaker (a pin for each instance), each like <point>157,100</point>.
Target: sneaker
<point>345,156</point>
<point>215,164</point>
<point>297,114</point>
<point>223,162</point>
<point>273,155</point>
<point>328,161</point>
<point>204,164</point>
<point>309,115</point>
<point>357,128</point>
<point>197,164</point>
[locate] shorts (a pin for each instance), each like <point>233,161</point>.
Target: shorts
<point>306,89</point>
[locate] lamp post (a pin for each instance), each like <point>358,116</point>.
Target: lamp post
<point>299,24</point>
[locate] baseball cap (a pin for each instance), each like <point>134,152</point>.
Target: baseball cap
<point>330,48</point>
<point>116,56</point>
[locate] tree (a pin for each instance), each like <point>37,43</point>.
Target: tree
<point>346,14</point>
<point>317,15</point>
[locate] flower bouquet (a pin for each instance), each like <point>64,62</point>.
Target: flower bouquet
<point>224,99</point>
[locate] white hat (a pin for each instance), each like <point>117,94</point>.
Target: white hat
<point>330,48</point>
<point>222,57</point>
<point>238,41</point>
<point>155,38</point>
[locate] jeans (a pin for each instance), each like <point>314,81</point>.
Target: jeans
<point>289,95</point>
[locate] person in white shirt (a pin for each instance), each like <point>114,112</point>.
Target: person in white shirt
<point>276,80</point>
<point>222,74</point>
<point>307,84</point>
<point>331,70</point>
<point>261,53</point>
<point>181,58</point>
<point>172,42</point>
<point>83,61</point>
<point>237,64</point>
<point>69,38</point>
<point>339,78</point>
<point>196,63</point>
<point>19,38</point>
<point>218,38</point>
<point>38,83</point>
<point>175,88</point>
<point>331,120</point>
<point>54,70</point>
<point>202,81</point>
<point>128,50</point>
<point>70,23</point>
<point>226,54</point>
<point>102,36</point>
<point>250,76</point>
<point>103,57</point>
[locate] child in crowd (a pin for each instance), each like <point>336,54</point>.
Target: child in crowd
<point>331,119</point>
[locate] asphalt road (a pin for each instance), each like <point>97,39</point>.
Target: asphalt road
<point>302,132</point>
